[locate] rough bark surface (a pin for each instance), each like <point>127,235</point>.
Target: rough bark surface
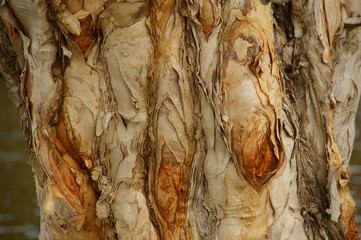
<point>180,119</point>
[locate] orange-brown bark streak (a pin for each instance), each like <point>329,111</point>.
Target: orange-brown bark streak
<point>164,9</point>
<point>248,62</point>
<point>172,121</point>
<point>168,185</point>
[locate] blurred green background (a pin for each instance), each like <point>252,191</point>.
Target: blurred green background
<point>19,214</point>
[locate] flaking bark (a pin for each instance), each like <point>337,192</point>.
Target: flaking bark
<point>187,119</point>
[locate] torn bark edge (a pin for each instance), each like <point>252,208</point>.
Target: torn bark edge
<point>352,22</point>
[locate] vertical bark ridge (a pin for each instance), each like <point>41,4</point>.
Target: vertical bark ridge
<point>67,189</point>
<point>312,84</point>
<point>346,74</point>
<point>249,80</point>
<point>172,128</point>
<point>310,81</point>
<point>205,20</point>
<point>249,58</point>
<point>217,156</point>
<point>126,51</point>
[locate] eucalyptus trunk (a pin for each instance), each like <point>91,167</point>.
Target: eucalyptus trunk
<point>187,119</point>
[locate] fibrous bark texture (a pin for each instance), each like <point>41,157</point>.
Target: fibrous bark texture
<point>180,119</point>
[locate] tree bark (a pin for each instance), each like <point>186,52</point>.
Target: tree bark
<point>187,119</point>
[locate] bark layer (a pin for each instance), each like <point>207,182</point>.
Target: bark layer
<point>187,119</point>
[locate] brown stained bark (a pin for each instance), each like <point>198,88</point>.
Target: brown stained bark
<point>172,123</point>
<point>249,64</point>
<point>187,119</point>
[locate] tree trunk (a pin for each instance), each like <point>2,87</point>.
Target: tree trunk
<point>187,119</point>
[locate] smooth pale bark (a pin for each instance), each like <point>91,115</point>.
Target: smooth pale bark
<point>187,119</point>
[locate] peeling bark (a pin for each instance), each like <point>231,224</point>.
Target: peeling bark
<point>187,119</point>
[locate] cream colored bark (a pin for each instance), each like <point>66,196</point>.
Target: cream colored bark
<point>187,119</point>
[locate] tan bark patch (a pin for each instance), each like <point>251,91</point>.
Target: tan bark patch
<point>206,16</point>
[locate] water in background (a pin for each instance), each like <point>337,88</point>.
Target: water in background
<point>355,163</point>
<point>19,214</point>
